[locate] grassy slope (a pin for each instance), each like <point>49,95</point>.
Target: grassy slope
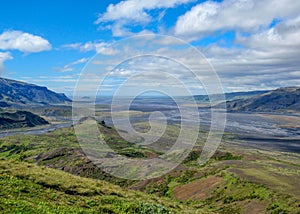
<point>219,187</point>
<point>232,182</point>
<point>26,188</point>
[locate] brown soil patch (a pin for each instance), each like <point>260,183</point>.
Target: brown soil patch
<point>197,190</point>
<point>255,207</point>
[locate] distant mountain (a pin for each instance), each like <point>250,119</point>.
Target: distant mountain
<point>16,93</point>
<point>20,119</point>
<point>281,100</point>
<point>232,95</point>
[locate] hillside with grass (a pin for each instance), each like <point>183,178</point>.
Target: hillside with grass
<point>50,173</point>
<point>26,188</point>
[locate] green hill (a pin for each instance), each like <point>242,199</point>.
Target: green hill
<point>26,188</point>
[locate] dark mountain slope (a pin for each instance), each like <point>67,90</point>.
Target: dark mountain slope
<point>15,93</point>
<point>232,95</point>
<point>20,119</point>
<point>280,100</point>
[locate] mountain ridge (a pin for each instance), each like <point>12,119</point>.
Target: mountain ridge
<point>231,95</point>
<point>16,93</point>
<point>281,100</point>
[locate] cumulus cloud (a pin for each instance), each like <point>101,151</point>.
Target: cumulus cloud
<point>25,42</point>
<point>268,59</point>
<point>132,12</point>
<point>244,15</point>
<point>264,54</point>
<point>3,57</point>
<point>284,36</point>
<point>70,66</point>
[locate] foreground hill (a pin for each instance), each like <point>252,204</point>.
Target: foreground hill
<point>16,93</point>
<point>233,181</point>
<point>20,119</point>
<point>283,100</point>
<point>26,188</point>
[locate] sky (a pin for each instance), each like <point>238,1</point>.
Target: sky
<point>251,44</point>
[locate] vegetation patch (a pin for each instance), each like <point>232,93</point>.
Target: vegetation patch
<point>32,189</point>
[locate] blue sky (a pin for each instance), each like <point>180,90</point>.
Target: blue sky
<point>250,46</point>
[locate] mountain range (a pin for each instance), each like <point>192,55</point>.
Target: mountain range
<point>18,94</point>
<point>15,93</point>
<point>282,100</point>
<point>19,99</point>
<point>231,95</point>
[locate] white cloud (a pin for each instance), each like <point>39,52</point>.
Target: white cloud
<point>25,42</point>
<point>70,66</point>
<point>264,60</point>
<point>268,59</point>
<point>283,37</point>
<point>133,12</point>
<point>3,57</point>
<point>99,47</point>
<point>72,46</point>
<point>244,15</point>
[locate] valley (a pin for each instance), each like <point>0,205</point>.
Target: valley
<point>256,168</point>
<point>150,107</point>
